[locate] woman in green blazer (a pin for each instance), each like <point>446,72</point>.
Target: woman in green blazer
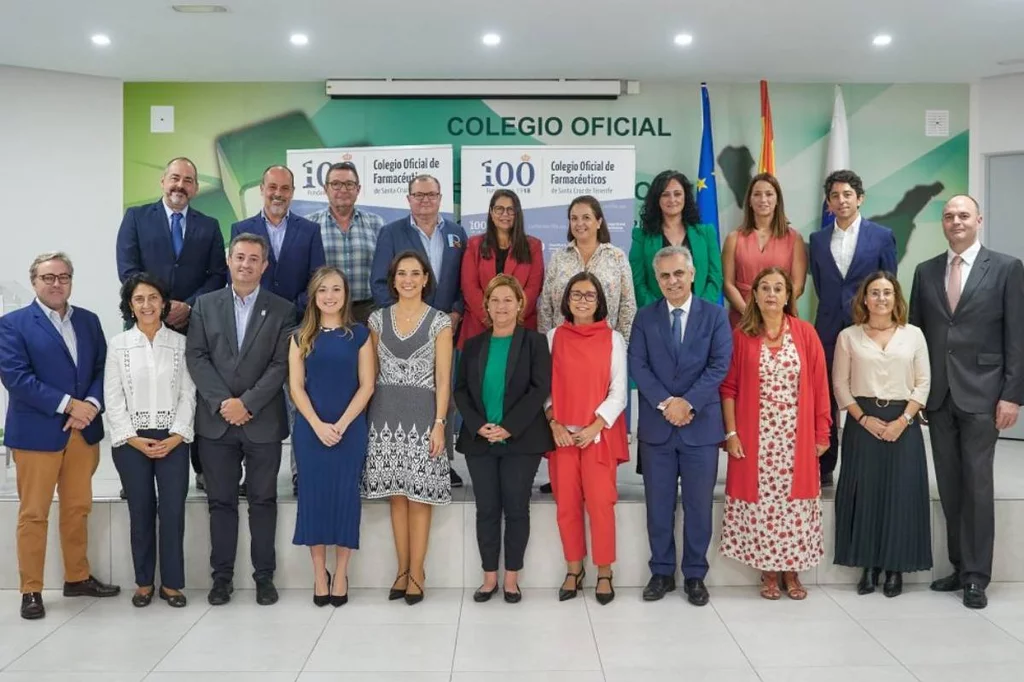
<point>669,216</point>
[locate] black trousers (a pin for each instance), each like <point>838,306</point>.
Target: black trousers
<point>501,484</point>
<point>964,448</point>
<point>146,506</point>
<point>222,463</point>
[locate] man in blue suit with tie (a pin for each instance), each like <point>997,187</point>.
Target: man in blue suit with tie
<point>679,354</point>
<point>842,255</point>
<point>178,245</point>
<point>443,242</point>
<point>296,248</point>
<point>52,358</point>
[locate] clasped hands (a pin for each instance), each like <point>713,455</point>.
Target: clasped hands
<point>883,430</point>
<point>234,412</point>
<point>493,433</point>
<point>80,414</point>
<point>678,411</point>
<point>155,449</point>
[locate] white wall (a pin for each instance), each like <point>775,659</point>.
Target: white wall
<point>997,105</point>
<point>61,180</point>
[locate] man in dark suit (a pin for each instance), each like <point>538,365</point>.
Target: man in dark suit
<point>443,242</point>
<point>51,362</point>
<point>967,301</point>
<point>178,245</point>
<point>296,248</point>
<point>679,354</point>
<point>841,255</point>
<point>237,354</point>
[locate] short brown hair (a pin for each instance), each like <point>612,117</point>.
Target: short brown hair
<point>860,308</point>
<point>602,303</point>
<point>249,238</point>
<point>517,289</point>
<point>424,263</point>
<point>752,322</point>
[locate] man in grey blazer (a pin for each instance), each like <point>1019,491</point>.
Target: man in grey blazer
<point>237,354</point>
<point>969,302</point>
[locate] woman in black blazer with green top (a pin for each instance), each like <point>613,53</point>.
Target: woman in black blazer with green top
<point>504,378</point>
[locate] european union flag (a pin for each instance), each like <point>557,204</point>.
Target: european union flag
<point>707,189</point>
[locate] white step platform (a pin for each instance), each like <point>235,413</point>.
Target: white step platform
<point>453,559</point>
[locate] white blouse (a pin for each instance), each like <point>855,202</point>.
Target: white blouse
<point>147,386</point>
<point>862,368</point>
<point>615,403</point>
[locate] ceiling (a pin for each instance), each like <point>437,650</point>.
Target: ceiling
<point>734,40</point>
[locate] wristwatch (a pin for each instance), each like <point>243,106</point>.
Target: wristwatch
<point>730,435</point>
<point>910,420</point>
<point>442,421</point>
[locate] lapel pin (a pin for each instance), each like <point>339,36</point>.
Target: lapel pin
<point>263,313</point>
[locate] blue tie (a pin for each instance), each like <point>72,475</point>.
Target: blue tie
<point>177,237</point>
<point>677,328</point>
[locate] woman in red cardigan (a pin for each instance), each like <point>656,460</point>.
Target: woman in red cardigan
<point>503,248</point>
<point>777,418</point>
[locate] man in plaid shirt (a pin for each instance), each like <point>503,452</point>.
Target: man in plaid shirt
<point>349,235</point>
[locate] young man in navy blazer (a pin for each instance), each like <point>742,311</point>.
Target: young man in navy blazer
<point>296,248</point>
<point>842,255</point>
<point>52,358</point>
<point>679,354</point>
<point>178,245</point>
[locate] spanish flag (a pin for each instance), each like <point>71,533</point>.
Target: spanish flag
<point>767,162</point>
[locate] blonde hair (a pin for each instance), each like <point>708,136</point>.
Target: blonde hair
<point>899,306</point>
<point>310,325</point>
<point>517,289</point>
<point>752,322</point>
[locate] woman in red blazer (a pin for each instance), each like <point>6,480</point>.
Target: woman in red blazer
<point>775,402</point>
<point>503,248</point>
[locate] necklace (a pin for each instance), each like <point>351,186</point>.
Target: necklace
<point>881,329</point>
<point>776,337</point>
<point>410,317</point>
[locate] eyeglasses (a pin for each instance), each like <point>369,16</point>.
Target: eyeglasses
<point>346,185</point>
<point>50,279</point>
<point>425,196</point>
<point>588,296</point>
<point>881,294</point>
<point>504,210</point>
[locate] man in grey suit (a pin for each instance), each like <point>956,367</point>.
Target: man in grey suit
<point>968,303</point>
<point>237,354</point>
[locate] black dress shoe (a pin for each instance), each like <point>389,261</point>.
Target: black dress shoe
<point>513,597</point>
<point>295,485</point>
<point>142,599</point>
<point>827,480</point>
<point>176,601</point>
<point>545,488</point>
<point>974,596</point>
<point>340,600</point>
<point>32,606</point>
<point>456,479</point>
<point>200,482</point>
<point>604,598</point>
<point>90,587</point>
<point>266,593</point>
<point>411,598</point>
<point>951,583</point>
<point>220,594</point>
<point>394,594</point>
<point>658,585</point>
<point>893,584</point>
<point>564,594</point>
<point>868,581</point>
<point>480,596</point>
<point>696,592</point>
<point>323,599</point>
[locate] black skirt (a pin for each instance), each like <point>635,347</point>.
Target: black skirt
<point>883,509</point>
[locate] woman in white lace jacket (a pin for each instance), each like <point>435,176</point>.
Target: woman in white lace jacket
<point>150,408</point>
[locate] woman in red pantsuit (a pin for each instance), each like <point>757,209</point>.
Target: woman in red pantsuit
<point>588,396</point>
<point>503,248</point>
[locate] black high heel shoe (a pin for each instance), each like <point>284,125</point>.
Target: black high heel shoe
<point>395,594</point>
<point>323,599</point>
<point>566,595</point>
<point>893,584</point>
<point>605,597</point>
<point>411,599</point>
<point>868,581</point>
<point>340,600</point>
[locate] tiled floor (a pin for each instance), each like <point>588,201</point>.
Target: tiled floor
<point>834,636</point>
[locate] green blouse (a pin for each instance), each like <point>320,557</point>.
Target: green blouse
<point>707,261</point>
<point>494,378</point>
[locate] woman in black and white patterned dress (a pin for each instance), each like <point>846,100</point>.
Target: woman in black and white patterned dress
<point>406,460</point>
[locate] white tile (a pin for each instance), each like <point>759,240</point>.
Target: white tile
<point>17,635</point>
<point>373,677</point>
<point>958,672</point>
<point>832,674</point>
<point>537,606</point>
<point>736,604</point>
<point>531,676</point>
<point>219,677</point>
<point>1005,600</point>
<point>540,646</point>
<point>917,601</point>
<point>946,641</point>
<point>372,607</point>
<point>629,607</point>
<point>71,677</point>
<point>711,675</point>
<point>377,648</point>
<point>666,646</point>
<point>808,643</point>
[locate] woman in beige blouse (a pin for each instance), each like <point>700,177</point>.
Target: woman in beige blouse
<point>881,378</point>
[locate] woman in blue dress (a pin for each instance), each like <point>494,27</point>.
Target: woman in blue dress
<point>331,378</point>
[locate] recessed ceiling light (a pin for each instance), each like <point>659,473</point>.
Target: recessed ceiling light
<point>199,9</point>
<point>101,40</point>
<point>683,39</point>
<point>882,40</point>
<point>491,39</point>
<point>300,39</point>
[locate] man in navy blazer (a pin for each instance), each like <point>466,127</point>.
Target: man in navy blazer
<point>175,243</point>
<point>841,256</point>
<point>296,248</point>
<point>52,358</point>
<point>679,354</point>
